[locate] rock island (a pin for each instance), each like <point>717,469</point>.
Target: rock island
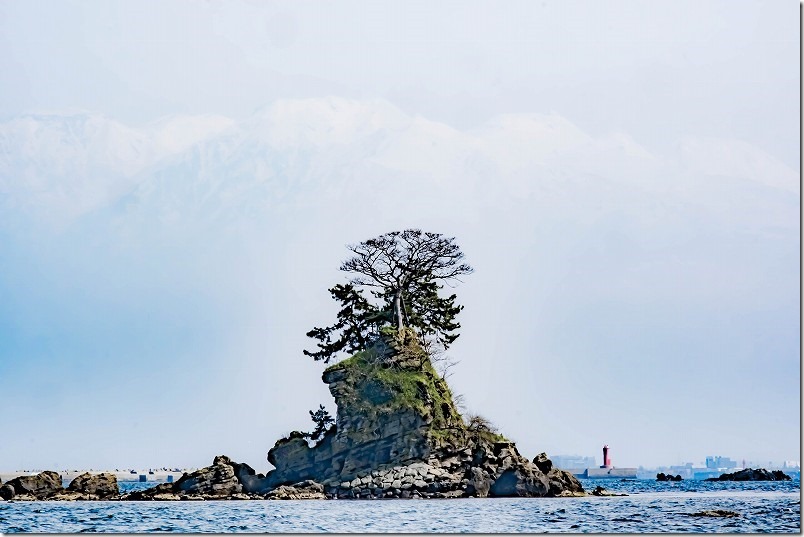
<point>397,431</point>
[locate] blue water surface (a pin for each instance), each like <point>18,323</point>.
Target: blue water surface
<point>649,507</point>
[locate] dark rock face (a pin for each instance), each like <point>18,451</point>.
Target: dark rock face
<point>251,481</point>
<point>563,483</point>
<point>99,486</point>
<point>750,474</point>
<point>543,463</point>
<point>39,486</point>
<point>661,476</point>
<point>7,492</point>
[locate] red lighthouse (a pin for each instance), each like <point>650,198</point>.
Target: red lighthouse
<point>606,458</point>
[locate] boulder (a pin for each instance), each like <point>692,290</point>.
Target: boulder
<point>98,486</point>
<point>151,493</point>
<point>39,486</point>
<point>216,480</point>
<point>7,492</point>
<point>72,496</point>
<point>166,497</point>
<point>305,490</point>
<point>600,491</point>
<point>543,463</point>
<point>252,481</point>
<point>661,476</point>
<point>562,482</point>
<point>479,483</point>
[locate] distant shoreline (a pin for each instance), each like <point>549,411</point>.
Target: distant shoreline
<point>160,476</point>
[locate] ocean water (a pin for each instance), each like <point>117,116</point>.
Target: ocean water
<point>649,507</point>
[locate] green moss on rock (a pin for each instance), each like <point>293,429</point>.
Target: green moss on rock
<point>395,375</point>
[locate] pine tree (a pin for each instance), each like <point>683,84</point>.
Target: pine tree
<point>323,421</point>
<point>404,273</point>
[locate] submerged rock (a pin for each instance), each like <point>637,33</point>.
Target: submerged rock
<point>720,513</point>
<point>601,491</point>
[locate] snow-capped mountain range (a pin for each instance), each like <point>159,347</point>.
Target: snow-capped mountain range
<point>57,168</point>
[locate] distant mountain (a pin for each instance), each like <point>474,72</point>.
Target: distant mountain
<point>59,169</point>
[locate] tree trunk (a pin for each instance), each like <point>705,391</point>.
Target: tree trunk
<point>398,309</point>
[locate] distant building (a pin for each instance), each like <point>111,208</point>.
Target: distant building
<point>567,462</point>
<point>686,470</point>
<point>699,473</point>
<point>718,462</point>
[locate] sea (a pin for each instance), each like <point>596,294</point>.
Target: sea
<point>650,506</point>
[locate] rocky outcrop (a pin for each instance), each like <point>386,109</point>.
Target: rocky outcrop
<point>750,474</point>
<point>484,468</point>
<point>224,479</point>
<point>216,480</point>
<point>101,486</point>
<point>32,487</point>
<point>398,434</point>
<point>661,476</point>
<point>88,486</point>
<point>47,486</point>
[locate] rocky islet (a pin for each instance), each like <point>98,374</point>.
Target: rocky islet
<point>397,434</point>
<point>750,474</point>
<point>47,485</point>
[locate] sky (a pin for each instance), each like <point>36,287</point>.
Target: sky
<point>179,181</point>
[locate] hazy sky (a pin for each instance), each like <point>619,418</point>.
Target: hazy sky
<point>178,181</point>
